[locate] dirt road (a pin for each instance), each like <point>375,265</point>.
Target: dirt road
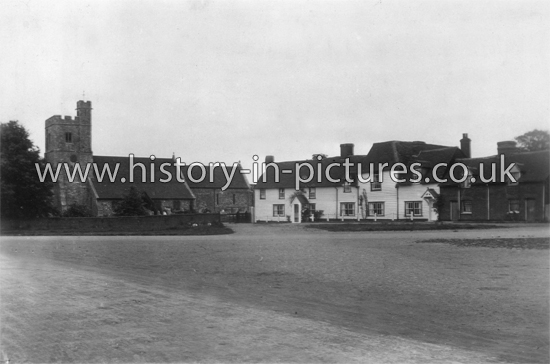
<point>274,294</point>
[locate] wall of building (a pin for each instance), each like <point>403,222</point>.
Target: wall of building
<point>492,202</point>
<point>263,209</point>
<point>387,194</point>
<point>414,192</point>
<point>327,199</point>
<point>76,151</point>
<point>229,201</point>
<point>330,199</point>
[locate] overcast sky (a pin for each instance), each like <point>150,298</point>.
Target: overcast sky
<point>224,80</point>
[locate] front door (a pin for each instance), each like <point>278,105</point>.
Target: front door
<point>529,210</point>
<point>454,211</point>
<point>296,212</point>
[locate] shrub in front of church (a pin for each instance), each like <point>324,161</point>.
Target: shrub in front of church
<point>76,210</point>
<point>131,205</point>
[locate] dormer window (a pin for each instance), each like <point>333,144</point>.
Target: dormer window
<point>467,183</point>
<point>375,185</point>
<point>516,173</point>
<point>68,137</point>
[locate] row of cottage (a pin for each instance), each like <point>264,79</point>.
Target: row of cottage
<point>380,185</point>
<point>400,180</point>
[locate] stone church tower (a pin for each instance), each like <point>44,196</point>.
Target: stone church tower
<point>69,141</point>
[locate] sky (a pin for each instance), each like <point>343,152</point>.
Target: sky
<point>226,80</point>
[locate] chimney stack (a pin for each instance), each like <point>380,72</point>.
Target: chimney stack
<point>506,147</point>
<point>269,159</point>
<point>346,150</point>
<point>465,145</point>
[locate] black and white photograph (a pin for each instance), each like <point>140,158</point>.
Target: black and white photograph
<point>275,181</point>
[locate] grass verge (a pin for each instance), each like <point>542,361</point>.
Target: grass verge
<point>509,243</point>
<point>401,226</point>
<point>197,230</point>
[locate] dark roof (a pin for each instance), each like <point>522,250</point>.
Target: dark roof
<point>397,152</point>
<point>428,159</point>
<point>288,180</point>
<point>391,152</point>
<point>303,200</point>
<point>432,192</point>
<point>219,179</point>
<point>534,166</point>
<point>171,190</point>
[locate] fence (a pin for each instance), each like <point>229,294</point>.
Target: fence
<point>99,224</point>
<point>239,217</point>
<point>336,217</point>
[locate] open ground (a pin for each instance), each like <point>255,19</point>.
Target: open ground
<point>275,293</point>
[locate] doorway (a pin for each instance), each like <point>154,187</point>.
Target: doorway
<point>530,210</point>
<point>455,212</point>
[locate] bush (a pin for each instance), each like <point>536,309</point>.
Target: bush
<point>318,214</point>
<point>132,204</point>
<point>76,210</point>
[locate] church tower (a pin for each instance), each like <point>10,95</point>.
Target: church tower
<point>69,141</point>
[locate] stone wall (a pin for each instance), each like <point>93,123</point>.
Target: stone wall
<point>229,201</point>
<point>71,151</point>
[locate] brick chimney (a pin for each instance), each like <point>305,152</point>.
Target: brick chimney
<point>507,147</point>
<point>346,150</point>
<point>465,145</point>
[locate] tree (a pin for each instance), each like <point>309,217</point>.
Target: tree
<point>21,192</point>
<point>132,204</point>
<point>534,140</point>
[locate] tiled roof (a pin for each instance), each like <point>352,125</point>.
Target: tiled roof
<point>534,166</point>
<point>432,192</point>
<point>219,180</point>
<point>303,200</point>
<point>391,152</point>
<point>156,190</point>
<point>428,159</point>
